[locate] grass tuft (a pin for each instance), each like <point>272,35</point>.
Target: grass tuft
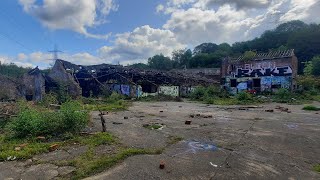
<point>311,108</point>
<point>317,168</point>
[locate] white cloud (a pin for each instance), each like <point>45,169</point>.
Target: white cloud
<point>140,44</point>
<point>75,15</point>
<point>197,21</point>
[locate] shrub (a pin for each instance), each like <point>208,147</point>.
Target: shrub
<point>114,97</point>
<point>283,96</point>
<point>198,93</point>
<point>244,96</point>
<point>48,99</point>
<point>311,108</point>
<point>34,122</point>
<point>74,118</point>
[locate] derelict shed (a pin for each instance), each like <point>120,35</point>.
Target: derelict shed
<point>263,72</point>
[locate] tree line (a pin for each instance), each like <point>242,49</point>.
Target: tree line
<point>303,38</point>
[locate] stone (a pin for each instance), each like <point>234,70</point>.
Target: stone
<point>40,171</point>
<point>66,170</point>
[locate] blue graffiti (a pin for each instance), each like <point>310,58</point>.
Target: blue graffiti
<point>195,145</point>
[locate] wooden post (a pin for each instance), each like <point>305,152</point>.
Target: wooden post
<point>103,122</point>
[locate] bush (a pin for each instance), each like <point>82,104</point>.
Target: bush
<point>244,96</point>
<point>198,93</point>
<point>34,122</point>
<point>283,96</point>
<point>48,99</point>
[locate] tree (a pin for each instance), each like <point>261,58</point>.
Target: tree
<point>182,58</point>
<point>308,68</point>
<point>249,55</point>
<point>160,62</point>
<point>316,66</point>
<point>205,48</point>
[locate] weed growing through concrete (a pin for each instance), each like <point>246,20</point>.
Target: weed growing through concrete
<point>89,164</point>
<point>174,139</point>
<point>317,168</point>
<point>311,108</point>
<point>26,148</point>
<point>153,126</point>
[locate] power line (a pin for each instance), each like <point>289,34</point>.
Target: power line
<point>15,41</point>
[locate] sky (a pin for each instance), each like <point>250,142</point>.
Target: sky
<point>126,31</point>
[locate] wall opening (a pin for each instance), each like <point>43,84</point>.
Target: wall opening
<point>29,97</point>
<point>233,83</point>
<point>257,83</point>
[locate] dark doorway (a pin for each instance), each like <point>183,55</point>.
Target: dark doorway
<point>29,97</point>
<point>233,83</point>
<point>257,83</point>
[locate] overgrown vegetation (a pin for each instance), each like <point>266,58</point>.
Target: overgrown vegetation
<point>215,95</point>
<point>32,121</point>
<point>317,168</point>
<point>114,102</point>
<point>26,148</point>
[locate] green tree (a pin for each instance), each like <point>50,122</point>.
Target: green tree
<point>316,66</point>
<point>160,62</point>
<point>205,48</point>
<point>249,55</point>
<point>182,58</point>
<point>308,68</point>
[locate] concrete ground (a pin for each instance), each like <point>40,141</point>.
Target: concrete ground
<point>235,143</point>
<point>222,142</point>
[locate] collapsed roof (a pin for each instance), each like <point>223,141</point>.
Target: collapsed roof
<point>106,72</point>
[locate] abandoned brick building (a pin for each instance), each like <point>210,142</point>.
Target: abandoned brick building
<point>264,72</point>
<point>93,80</point>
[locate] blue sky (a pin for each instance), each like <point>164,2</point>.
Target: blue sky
<point>112,31</point>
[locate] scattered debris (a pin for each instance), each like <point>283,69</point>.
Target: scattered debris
<point>162,164</point>
<point>214,165</point>
<point>188,122</point>
<point>126,117</point>
<point>117,123</point>
<point>41,138</point>
<point>292,126</point>
<point>53,147</point>
<point>269,110</point>
<point>283,109</point>
<point>201,115</point>
<point>161,111</point>
<point>11,158</point>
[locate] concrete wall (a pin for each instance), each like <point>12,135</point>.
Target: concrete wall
<point>169,90</point>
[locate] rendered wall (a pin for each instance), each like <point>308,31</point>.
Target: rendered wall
<point>169,90</point>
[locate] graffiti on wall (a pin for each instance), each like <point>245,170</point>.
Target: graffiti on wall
<point>185,91</point>
<point>169,90</point>
<point>261,72</point>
